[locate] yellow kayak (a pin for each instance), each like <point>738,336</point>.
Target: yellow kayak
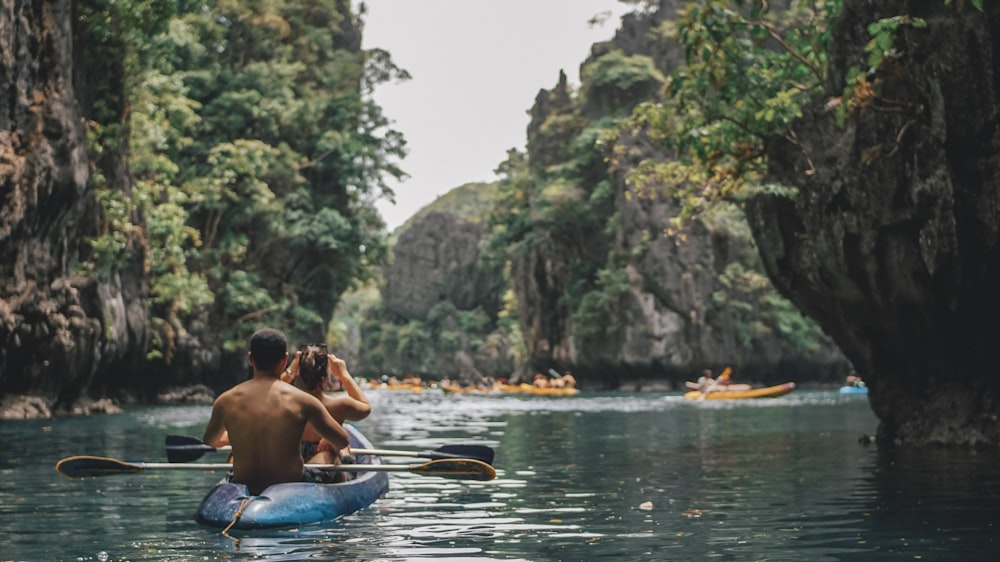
<point>765,392</point>
<point>525,388</point>
<point>385,386</point>
<point>456,389</point>
<point>729,386</point>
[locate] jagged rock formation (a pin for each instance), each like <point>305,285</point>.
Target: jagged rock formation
<point>896,253</point>
<point>62,334</point>
<point>436,259</point>
<point>76,320</point>
<point>676,316</point>
<point>437,318</point>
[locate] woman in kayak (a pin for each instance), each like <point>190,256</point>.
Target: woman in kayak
<point>316,371</point>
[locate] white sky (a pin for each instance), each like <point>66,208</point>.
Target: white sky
<point>476,67</point>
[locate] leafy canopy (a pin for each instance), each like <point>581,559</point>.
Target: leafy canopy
<point>749,72</point>
<point>258,155</point>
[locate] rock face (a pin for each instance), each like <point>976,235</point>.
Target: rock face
<point>62,334</point>
<point>892,241</point>
<point>437,259</point>
<point>677,315</point>
<point>75,318</point>
<point>438,315</point>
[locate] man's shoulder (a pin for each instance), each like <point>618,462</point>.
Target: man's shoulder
<point>228,395</point>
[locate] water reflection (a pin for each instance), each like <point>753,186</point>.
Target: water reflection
<point>595,476</point>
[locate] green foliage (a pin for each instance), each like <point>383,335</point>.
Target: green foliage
<point>450,341</point>
<point>259,155</point>
<point>472,201</point>
<point>344,330</point>
<point>615,80</point>
<point>977,4</point>
<point>749,72</point>
<point>508,322</point>
<point>110,247</point>
<point>567,203</point>
<point>598,311</point>
<point>757,310</point>
<point>858,90</point>
<point>511,223</point>
<point>412,342</point>
<point>177,292</point>
<point>476,324</point>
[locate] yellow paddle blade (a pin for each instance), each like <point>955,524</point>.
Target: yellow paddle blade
<point>85,466</point>
<point>461,469</point>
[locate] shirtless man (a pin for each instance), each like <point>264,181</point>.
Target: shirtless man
<point>265,417</point>
<point>310,370</point>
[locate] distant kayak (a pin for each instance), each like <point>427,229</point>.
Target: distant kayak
<point>456,389</point>
<point>386,386</point>
<point>523,388</point>
<point>694,386</point>
<point>854,390</point>
<point>765,392</point>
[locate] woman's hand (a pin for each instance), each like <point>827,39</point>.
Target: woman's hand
<point>338,367</point>
<point>292,371</point>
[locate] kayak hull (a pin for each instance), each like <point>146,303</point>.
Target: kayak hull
<point>854,390</point>
<point>765,392</point>
<point>523,388</point>
<point>732,386</point>
<point>397,387</point>
<point>294,503</point>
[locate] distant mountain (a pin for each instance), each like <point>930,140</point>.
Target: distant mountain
<point>472,201</point>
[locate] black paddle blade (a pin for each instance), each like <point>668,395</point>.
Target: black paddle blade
<point>181,448</point>
<point>84,467</point>
<point>476,452</point>
<point>460,469</point>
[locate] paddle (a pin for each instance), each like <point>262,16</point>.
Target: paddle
<point>182,448</point>
<point>460,469</point>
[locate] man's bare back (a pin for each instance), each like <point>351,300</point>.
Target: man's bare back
<point>265,418</point>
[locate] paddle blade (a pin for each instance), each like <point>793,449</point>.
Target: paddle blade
<point>181,448</point>
<point>85,467</point>
<point>460,469</point>
<point>476,452</point>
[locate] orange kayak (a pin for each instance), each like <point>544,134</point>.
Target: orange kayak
<point>525,388</point>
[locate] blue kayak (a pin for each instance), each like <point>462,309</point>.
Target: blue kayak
<point>294,503</point>
<point>854,390</point>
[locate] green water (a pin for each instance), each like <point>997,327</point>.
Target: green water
<point>597,476</point>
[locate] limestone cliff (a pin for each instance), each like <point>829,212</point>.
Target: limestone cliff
<point>436,259</point>
<point>63,334</point>
<point>679,301</point>
<point>117,281</point>
<point>892,241</point>
<point>438,315</point>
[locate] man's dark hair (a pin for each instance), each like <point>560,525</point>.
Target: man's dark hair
<point>267,347</point>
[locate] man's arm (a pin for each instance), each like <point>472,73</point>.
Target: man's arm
<point>357,407</point>
<point>215,430</point>
<point>324,423</point>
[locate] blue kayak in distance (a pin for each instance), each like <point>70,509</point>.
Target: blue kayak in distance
<point>854,390</point>
<point>294,503</point>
